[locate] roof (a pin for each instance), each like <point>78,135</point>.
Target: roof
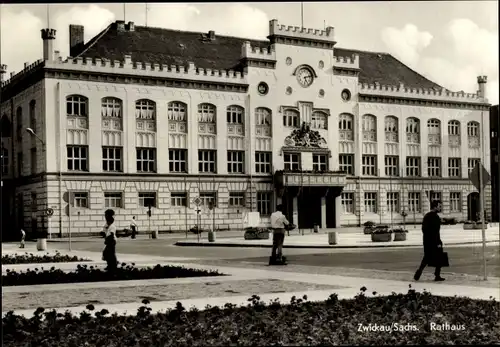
<point>166,46</point>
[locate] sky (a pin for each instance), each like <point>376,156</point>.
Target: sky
<point>449,42</point>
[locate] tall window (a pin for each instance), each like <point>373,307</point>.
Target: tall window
<point>5,161</point>
<point>77,158</point>
<point>371,202</point>
<point>393,202</point>
<point>434,167</point>
<point>473,134</point>
<point>435,196</point>
<point>178,199</point>
<point>77,105</point>
<point>369,128</point>
<point>207,161</point>
<point>81,199</point>
<point>412,130</point>
<point>177,160</point>
<point>235,115</point>
<point>346,163</point>
<point>413,166</point>
<point>471,163</point>
<point>347,199</point>
<point>346,126</point>
<point>147,199</point>
<point>111,107</point>
<point>263,162</point>
<point>262,116</point>
<point>264,200</point>
<point>454,167</point>
<point>292,161</point>
<point>391,129</point>
<point>33,115</point>
<point>291,118</point>
<point>235,161</point>
<point>145,109</point>
<point>177,111</point>
<point>207,113</point>
<point>454,133</point>
<point>236,199</point>
<point>146,159</point>
<point>369,165</point>
<point>414,202</point>
<point>113,200</point>
<point>19,121</point>
<point>208,198</point>
<point>319,120</point>
<point>112,159</point>
<point>455,202</point>
<point>391,165</point>
<point>320,162</point>
<point>434,128</point>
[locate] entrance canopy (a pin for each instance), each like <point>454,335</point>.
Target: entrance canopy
<point>309,178</point>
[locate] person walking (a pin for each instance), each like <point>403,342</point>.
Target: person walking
<point>133,226</point>
<point>109,253</point>
<point>23,237</point>
<point>278,223</point>
<point>433,246</point>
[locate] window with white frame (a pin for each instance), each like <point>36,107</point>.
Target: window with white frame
<point>473,134</point>
<point>5,161</point>
<point>393,202</point>
<point>347,199</point>
<point>178,199</point>
<point>177,111</point>
<point>113,200</point>
<point>146,159</point>
<point>235,115</point>
<point>208,198</point>
<point>413,166</point>
<point>455,202</point>
<point>319,120</point>
<point>453,127</point>
<point>207,161</point>
<point>412,130</point>
<point>112,159</point>
<point>147,199</point>
<point>291,161</point>
<point>77,105</point>
<point>370,202</point>
<point>236,199</point>
<point>369,125</point>
<point>391,165</point>
<point>434,167</point>
<point>369,165</point>
<point>81,199</point>
<point>320,162</point>
<point>207,113</point>
<point>434,129</point>
<point>291,118</point>
<point>346,163</point>
<point>471,163</point>
<point>145,109</point>
<point>177,160</point>
<point>346,127</point>
<point>111,107</point>
<point>235,161</point>
<point>264,201</point>
<point>391,129</point>
<point>435,196</point>
<point>454,167</point>
<point>77,158</point>
<point>263,162</point>
<point>414,202</point>
<point>262,116</point>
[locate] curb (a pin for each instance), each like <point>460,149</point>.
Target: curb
<point>212,244</point>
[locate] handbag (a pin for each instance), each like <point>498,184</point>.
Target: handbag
<point>440,259</point>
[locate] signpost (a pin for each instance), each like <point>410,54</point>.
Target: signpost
<point>69,198</point>
<point>197,202</point>
<point>49,212</point>
<point>480,178</point>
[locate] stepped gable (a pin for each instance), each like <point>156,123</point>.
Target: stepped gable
<point>383,68</point>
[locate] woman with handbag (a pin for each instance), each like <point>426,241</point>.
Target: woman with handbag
<point>109,253</point>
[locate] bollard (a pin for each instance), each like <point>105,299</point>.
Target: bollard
<point>155,234</point>
<point>211,236</point>
<point>332,238</point>
<point>316,228</point>
<point>41,244</point>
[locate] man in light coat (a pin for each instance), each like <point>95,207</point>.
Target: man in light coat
<point>278,223</point>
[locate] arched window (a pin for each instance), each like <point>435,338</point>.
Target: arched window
<point>291,118</point>
<point>5,161</point>
<point>453,127</point>
<point>111,107</point>
<point>207,113</point>
<point>319,120</point>
<point>145,109</point>
<point>77,105</point>
<point>391,129</point>
<point>262,116</point>
<point>6,126</point>
<point>346,127</point>
<point>369,128</point>
<point>235,115</point>
<point>473,129</point>
<point>177,111</point>
<point>412,130</point>
<point>434,128</point>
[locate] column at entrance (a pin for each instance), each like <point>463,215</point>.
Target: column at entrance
<point>323,212</point>
<point>338,209</point>
<point>295,211</point>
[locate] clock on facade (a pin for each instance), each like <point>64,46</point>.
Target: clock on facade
<point>305,76</point>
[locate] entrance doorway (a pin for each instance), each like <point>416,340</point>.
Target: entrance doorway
<point>309,208</point>
<point>473,206</point>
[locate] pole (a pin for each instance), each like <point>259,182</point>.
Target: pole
<point>48,17</point>
<point>414,209</point>
<point>302,14</point>
<point>124,5</point>
<point>379,198</point>
<point>481,197</point>
<point>186,206</point>
<point>146,14</point>
<point>390,189</point>
<point>70,197</point>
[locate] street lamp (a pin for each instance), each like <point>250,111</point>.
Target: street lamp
<point>32,132</point>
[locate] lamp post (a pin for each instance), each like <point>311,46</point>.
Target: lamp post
<point>32,133</point>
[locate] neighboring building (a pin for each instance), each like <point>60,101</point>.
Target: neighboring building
<point>146,116</point>
<point>495,162</point>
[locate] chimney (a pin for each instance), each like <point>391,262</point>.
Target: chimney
<point>3,70</point>
<point>481,81</point>
<point>48,36</point>
<point>120,25</point>
<point>75,39</point>
<point>211,35</point>
<point>131,26</point>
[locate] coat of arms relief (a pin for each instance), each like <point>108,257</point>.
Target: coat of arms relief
<point>305,137</point>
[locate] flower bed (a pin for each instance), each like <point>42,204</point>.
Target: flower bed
<point>84,273</point>
<point>30,258</point>
<point>399,234</point>
<point>415,318</point>
<point>470,225</point>
<point>256,234</point>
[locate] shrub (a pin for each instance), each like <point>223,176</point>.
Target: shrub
<point>381,229</point>
<point>84,273</point>
<point>369,224</point>
<point>30,258</point>
<point>328,323</point>
<point>398,230</point>
<point>252,233</point>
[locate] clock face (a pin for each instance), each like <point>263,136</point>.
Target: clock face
<point>305,77</point>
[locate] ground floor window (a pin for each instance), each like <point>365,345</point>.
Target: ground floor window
<point>81,199</point>
<point>371,202</point>
<point>236,199</point>
<point>455,202</point>
<point>414,202</point>
<point>393,202</point>
<point>113,200</point>
<point>207,198</point>
<point>178,199</point>
<point>348,202</point>
<point>147,199</point>
<point>264,200</point>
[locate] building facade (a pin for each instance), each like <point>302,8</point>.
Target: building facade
<point>140,117</point>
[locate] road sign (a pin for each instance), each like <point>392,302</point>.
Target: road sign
<point>474,176</point>
<point>197,201</point>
